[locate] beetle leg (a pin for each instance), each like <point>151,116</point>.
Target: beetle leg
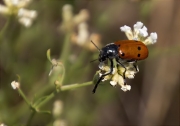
<point>134,62</point>
<point>123,72</point>
<point>123,67</point>
<point>135,66</point>
<point>102,76</point>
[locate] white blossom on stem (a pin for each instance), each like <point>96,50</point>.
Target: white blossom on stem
<point>15,85</point>
<point>17,8</point>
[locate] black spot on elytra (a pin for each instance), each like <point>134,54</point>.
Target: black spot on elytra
<point>122,54</point>
<point>139,48</point>
<point>139,55</point>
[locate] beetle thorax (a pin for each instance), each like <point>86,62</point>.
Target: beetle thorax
<point>110,51</point>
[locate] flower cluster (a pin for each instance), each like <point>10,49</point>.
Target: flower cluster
<point>83,37</point>
<point>139,33</point>
<point>72,21</point>
<point>17,8</point>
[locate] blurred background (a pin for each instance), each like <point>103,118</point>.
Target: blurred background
<point>67,31</point>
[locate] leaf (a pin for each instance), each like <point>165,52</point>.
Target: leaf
<point>49,54</point>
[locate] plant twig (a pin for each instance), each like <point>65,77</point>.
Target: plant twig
<point>24,97</point>
<point>62,88</point>
<point>30,118</point>
<point>66,48</point>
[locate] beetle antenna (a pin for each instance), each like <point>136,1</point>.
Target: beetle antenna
<point>93,60</point>
<point>95,46</point>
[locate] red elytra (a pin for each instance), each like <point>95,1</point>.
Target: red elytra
<point>132,50</point>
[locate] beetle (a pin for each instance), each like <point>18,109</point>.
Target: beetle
<point>122,51</point>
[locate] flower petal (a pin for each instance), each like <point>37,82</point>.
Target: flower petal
<point>130,74</point>
<point>27,22</point>
<point>15,85</point>
<point>4,10</point>
<point>113,83</point>
<point>127,31</point>
<point>121,80</point>
<point>101,65</point>
<point>126,88</point>
<point>151,39</point>
<point>125,28</point>
<point>27,13</point>
<point>143,32</point>
<point>154,36</point>
<point>138,25</point>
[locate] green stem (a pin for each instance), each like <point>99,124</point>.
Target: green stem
<point>46,100</point>
<point>30,118</point>
<point>63,88</point>
<point>63,72</point>
<point>66,48</point>
<point>2,32</point>
<point>74,86</point>
<point>24,97</point>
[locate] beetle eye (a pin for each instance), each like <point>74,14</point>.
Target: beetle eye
<point>139,48</point>
<point>139,55</point>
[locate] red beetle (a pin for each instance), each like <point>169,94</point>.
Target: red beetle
<point>125,50</point>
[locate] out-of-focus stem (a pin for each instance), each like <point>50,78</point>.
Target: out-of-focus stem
<point>24,97</point>
<point>47,99</point>
<point>66,48</point>
<point>5,27</point>
<point>74,86</point>
<point>31,117</point>
<point>63,88</point>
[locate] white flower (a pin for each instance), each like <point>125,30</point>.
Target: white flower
<point>117,79</point>
<point>114,79</point>
<point>130,70</point>
<point>81,17</point>
<point>138,25</point>
<point>101,65</point>
<point>143,32</point>
<point>127,31</point>
<point>67,13</point>
<point>125,28</point>
<point>70,20</point>
<point>117,75</point>
<point>83,33</point>
<point>151,39</point>
<point>15,85</point>
<point>139,33</point>
<point>113,83</point>
<point>105,78</point>
<point>2,124</point>
<point>31,14</point>
<point>130,74</point>
<point>126,88</point>
<point>27,22</point>
<point>59,122</point>
<point>58,108</point>
<point>16,7</point>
